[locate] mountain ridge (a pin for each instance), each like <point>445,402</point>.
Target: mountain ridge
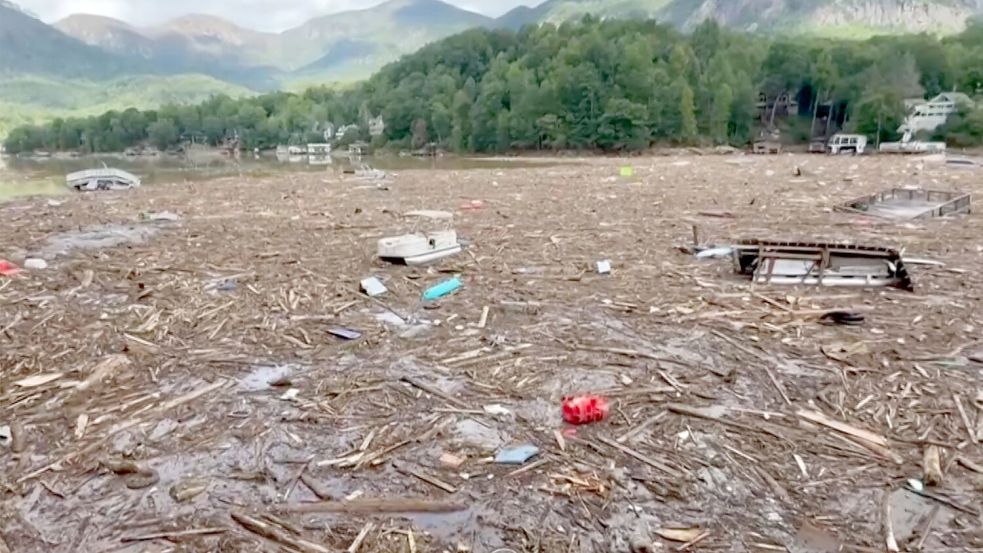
<point>354,43</point>
<point>351,45</point>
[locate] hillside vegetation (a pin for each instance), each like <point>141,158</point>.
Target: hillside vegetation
<point>350,46</point>
<point>611,85</point>
<point>31,99</point>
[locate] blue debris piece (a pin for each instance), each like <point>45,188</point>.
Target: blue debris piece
<point>442,289</point>
<point>516,455</point>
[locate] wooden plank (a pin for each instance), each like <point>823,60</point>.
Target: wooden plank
<point>375,506</point>
<point>823,420</point>
<point>632,453</point>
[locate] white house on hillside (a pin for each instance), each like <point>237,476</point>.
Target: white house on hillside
<point>928,115</point>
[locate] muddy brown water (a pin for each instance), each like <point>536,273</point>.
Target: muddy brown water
<point>20,177</point>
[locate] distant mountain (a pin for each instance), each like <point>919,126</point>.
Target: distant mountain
<point>46,73</point>
<point>559,11</point>
<point>355,41</point>
<point>111,35</point>
<point>821,16</point>
<point>394,28</point>
<point>29,46</point>
<point>217,39</point>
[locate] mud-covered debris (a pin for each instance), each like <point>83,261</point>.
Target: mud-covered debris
<point>932,466</point>
<point>134,476</point>
<point>682,535</point>
<point>496,410</point>
<point>165,216</point>
<point>188,489</point>
<point>846,318</point>
<point>450,460</point>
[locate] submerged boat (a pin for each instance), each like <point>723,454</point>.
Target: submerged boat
<point>421,248</point>
<point>102,179</point>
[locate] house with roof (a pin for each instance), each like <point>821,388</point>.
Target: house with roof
<point>929,115</point>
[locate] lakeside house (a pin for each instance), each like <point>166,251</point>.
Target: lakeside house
<point>929,115</point>
<point>376,126</point>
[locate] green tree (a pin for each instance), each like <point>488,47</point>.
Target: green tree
<point>720,119</point>
<point>441,120</point>
<point>687,113</point>
<point>421,137</point>
<point>163,133</point>
<point>623,126</point>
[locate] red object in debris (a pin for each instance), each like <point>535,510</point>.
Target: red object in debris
<point>473,205</point>
<point>8,269</point>
<point>585,409</point>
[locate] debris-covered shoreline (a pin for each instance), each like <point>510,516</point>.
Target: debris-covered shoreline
<point>217,380</point>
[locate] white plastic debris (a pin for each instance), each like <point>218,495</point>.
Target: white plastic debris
<point>715,252</point>
<point>373,287</point>
<point>604,267</point>
<point>162,216</point>
<point>497,410</point>
<point>290,395</point>
<point>35,264</point>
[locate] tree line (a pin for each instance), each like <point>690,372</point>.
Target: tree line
<point>608,85</point>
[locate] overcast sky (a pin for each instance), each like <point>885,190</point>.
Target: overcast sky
<point>266,15</point>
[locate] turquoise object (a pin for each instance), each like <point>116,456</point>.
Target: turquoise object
<point>442,289</point>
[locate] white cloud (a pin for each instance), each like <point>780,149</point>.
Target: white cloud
<point>266,15</point>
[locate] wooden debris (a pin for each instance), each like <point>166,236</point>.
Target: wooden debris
<point>319,489</point>
<point>890,541</point>
<point>823,420</point>
<point>643,458</point>
<point>451,461</point>
<point>276,534</point>
<point>188,489</point>
<point>159,353</point>
<point>433,481</point>
<point>104,369</point>
<point>435,392</point>
<point>970,429</point>
<point>376,506</point>
<point>970,465</point>
<point>354,547</point>
<point>932,466</point>
<point>174,535</point>
<point>38,380</point>
<point>682,535</point>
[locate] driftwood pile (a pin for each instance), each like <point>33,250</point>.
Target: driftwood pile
<point>185,386</point>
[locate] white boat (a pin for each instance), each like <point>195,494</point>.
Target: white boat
<point>102,179</point>
<point>419,248</point>
<point>912,147</point>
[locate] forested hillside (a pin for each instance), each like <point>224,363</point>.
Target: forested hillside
<point>611,85</point>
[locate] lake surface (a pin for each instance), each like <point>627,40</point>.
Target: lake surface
<point>32,177</point>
